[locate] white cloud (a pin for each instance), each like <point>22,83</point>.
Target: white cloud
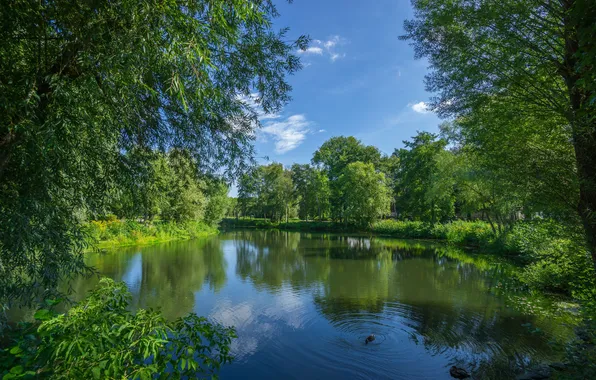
<point>311,50</point>
<point>336,56</point>
<point>288,134</point>
<point>326,48</point>
<point>252,102</point>
<point>322,130</point>
<point>420,107</point>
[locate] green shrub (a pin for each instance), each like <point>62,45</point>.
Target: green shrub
<point>554,255</point>
<point>403,229</point>
<point>129,232</point>
<point>468,233</point>
<point>101,339</point>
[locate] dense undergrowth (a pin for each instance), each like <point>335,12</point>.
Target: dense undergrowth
<point>100,338</point>
<point>117,233</point>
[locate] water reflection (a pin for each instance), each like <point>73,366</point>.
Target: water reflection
<point>312,298</point>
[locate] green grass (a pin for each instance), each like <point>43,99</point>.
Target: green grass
<point>475,233</point>
<point>120,233</point>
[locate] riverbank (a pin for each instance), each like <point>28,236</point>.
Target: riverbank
<point>551,256</point>
<point>474,234</point>
<point>122,233</point>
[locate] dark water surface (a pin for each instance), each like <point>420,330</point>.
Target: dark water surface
<point>303,304</point>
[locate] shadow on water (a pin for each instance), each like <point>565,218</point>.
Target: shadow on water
<point>303,303</point>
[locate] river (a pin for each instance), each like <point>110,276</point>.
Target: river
<point>304,303</point>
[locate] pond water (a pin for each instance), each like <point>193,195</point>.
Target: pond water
<point>304,303</point>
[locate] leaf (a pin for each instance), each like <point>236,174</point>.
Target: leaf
<point>16,350</point>
<point>96,372</point>
<point>43,315</point>
<point>53,302</point>
<point>17,370</point>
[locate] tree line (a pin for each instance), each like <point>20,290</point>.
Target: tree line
<point>433,178</point>
<point>165,186</point>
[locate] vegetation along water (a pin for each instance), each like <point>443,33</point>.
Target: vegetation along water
<point>143,234</point>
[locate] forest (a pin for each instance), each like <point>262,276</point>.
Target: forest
<point>128,120</point>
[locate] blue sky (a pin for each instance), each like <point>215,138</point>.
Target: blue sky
<point>359,79</point>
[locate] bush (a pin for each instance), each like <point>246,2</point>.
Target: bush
<point>403,229</point>
<point>467,233</point>
<point>458,232</point>
<point>129,232</point>
<point>554,255</point>
<point>99,338</point>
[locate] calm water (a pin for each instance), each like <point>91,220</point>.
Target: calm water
<point>303,304</point>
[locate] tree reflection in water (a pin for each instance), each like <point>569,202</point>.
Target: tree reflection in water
<point>415,293</point>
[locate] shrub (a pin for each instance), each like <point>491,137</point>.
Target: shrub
<point>130,232</point>
<point>403,229</point>
<point>99,338</point>
<point>468,233</point>
<point>555,256</point>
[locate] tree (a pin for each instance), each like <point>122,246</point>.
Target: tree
<point>83,82</point>
<point>311,186</point>
<point>506,168</point>
<point>218,203</point>
<point>536,56</point>
<point>366,194</point>
<point>415,178</point>
<point>185,198</point>
<point>334,156</point>
<point>278,191</point>
<point>268,191</point>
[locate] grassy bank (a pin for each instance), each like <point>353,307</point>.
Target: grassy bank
<point>120,233</point>
<point>458,232</point>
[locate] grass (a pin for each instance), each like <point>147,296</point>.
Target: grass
<point>478,234</point>
<point>120,233</point>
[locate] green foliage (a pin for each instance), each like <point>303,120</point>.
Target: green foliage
<point>268,191</point>
<point>86,82</point>
<point>555,256</point>
<point>460,232</point>
<point>218,203</point>
<point>517,74</point>
<point>311,187</point>
<point>101,339</point>
<point>334,156</point>
<point>105,234</point>
<point>365,194</point>
<point>422,191</point>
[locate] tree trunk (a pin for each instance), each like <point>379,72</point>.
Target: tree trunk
<point>581,118</point>
<point>584,144</point>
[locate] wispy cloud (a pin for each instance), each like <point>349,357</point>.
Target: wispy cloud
<point>312,50</point>
<point>288,134</point>
<point>326,48</point>
<point>420,107</point>
<point>252,102</point>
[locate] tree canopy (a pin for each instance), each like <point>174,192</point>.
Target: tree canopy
<point>85,84</point>
<point>534,57</point>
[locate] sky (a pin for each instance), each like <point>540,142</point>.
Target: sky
<point>359,80</point>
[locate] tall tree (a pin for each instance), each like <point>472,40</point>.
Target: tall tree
<point>84,81</point>
<point>537,55</point>
<point>334,156</point>
<point>366,194</point>
<point>312,191</point>
<point>415,178</point>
